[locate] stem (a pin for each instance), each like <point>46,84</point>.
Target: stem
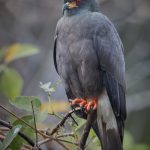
<point>22,121</point>
<point>62,122</point>
<point>65,135</point>
<point>50,102</point>
<point>36,134</point>
<point>26,138</point>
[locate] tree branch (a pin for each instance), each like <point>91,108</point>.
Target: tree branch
<point>62,122</point>
<point>88,125</point>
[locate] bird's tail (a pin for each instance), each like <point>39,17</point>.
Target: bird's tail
<point>107,126</point>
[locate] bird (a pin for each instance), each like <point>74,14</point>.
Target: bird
<point>89,58</point>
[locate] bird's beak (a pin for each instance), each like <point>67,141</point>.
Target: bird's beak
<point>72,5</point>
<point>69,5</point>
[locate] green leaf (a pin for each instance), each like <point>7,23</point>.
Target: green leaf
<point>41,116</point>
<point>92,134</point>
<point>17,51</point>
<point>24,102</point>
<point>96,141</point>
<point>10,83</point>
<point>28,119</point>
<point>18,142</point>
<point>10,136</point>
<point>94,138</point>
<point>81,124</point>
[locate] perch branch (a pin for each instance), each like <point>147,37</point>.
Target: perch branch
<point>62,122</point>
<point>88,125</point>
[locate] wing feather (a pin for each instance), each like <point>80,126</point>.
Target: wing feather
<point>109,49</point>
<point>54,52</point>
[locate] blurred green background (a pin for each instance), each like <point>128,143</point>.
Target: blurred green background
<point>28,26</point>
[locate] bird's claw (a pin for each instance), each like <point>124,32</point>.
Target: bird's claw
<point>78,101</point>
<point>91,105</point>
<point>86,105</point>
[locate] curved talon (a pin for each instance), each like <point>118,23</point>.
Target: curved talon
<point>91,104</point>
<point>80,102</point>
<point>83,103</point>
<point>76,101</point>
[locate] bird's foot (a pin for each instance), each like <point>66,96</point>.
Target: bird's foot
<point>83,103</point>
<point>91,105</point>
<point>79,101</point>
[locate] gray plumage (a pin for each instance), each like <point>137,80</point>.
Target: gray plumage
<point>88,56</point>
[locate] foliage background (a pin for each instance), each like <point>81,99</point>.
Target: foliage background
<point>33,22</point>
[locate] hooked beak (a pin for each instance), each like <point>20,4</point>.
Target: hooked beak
<point>70,5</point>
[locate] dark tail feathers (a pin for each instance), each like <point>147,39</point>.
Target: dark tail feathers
<point>110,139</point>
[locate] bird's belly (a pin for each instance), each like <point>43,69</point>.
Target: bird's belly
<point>79,68</point>
<point>91,80</point>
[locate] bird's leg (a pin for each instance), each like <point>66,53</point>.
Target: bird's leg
<point>92,104</point>
<point>79,101</point>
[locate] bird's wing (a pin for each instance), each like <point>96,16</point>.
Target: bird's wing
<point>109,49</point>
<point>54,52</point>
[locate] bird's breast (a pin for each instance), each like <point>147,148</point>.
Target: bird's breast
<point>78,64</point>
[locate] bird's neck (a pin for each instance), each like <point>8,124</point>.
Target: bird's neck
<point>84,8</point>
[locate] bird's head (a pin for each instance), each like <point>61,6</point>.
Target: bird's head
<point>71,5</point>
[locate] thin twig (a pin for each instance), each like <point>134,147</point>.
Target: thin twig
<point>62,122</point>
<point>90,120</point>
<point>65,141</point>
<point>65,135</point>
<point>50,102</point>
<point>26,147</point>
<point>56,115</point>
<point>44,141</point>
<point>36,134</point>
<point>55,139</point>
<point>53,113</point>
<point>45,136</point>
